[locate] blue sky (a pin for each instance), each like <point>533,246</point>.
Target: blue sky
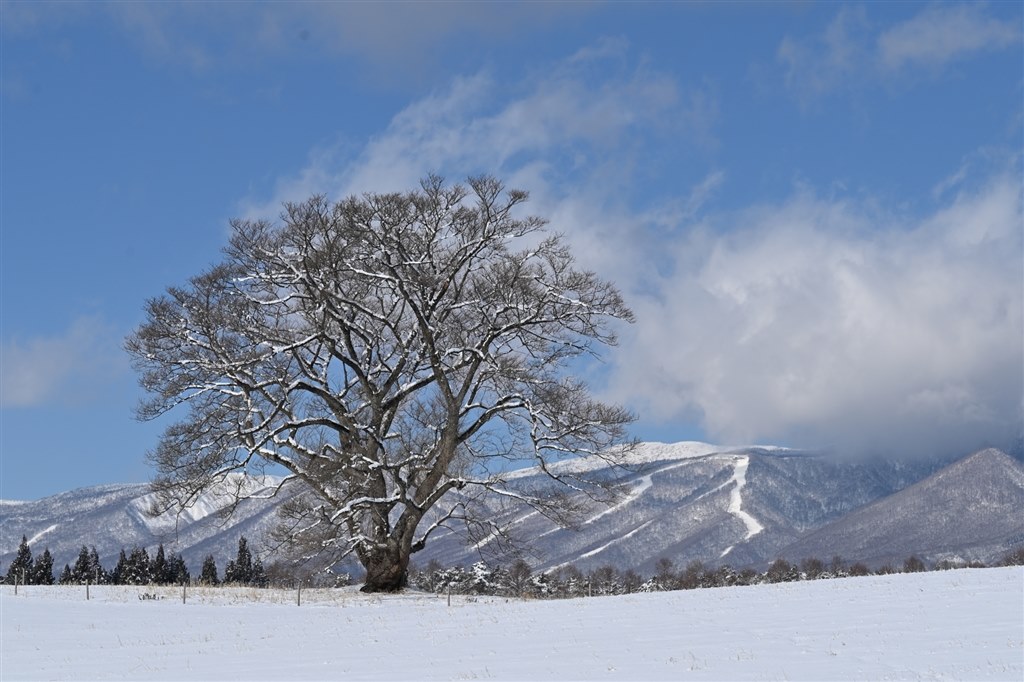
<point>813,209</point>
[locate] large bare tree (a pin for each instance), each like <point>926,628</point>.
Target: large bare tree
<point>395,354</point>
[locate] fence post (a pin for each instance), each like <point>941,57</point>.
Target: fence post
<point>86,589</point>
<point>298,593</point>
<point>184,586</point>
<point>449,594</point>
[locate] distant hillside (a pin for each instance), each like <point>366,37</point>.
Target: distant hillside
<point>113,517</point>
<point>682,501</point>
<point>970,510</point>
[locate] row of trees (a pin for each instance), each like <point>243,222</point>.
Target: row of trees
<point>515,580</point>
<point>518,580</point>
<point>133,568</point>
<point>244,569</point>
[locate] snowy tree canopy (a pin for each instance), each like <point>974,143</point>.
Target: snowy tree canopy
<point>389,351</point>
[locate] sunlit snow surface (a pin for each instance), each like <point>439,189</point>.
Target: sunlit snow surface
<point>953,625</point>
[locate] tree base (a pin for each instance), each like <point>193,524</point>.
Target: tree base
<point>378,589</point>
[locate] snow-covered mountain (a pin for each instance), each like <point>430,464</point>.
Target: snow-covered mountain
<point>683,501</point>
<point>970,510</point>
<point>112,517</point>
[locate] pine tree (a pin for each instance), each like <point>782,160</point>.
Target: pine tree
<point>239,571</point>
<point>42,570</point>
<point>259,576</point>
<point>158,568</point>
<point>82,570</point>
<point>177,571</point>
<point>138,567</point>
<point>65,576</point>
<point>117,577</point>
<point>21,568</point>
<point>209,572</point>
<point>97,574</point>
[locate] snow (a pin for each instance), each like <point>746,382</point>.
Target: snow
<point>50,529</point>
<point>739,478</point>
<point>951,625</point>
<point>218,497</point>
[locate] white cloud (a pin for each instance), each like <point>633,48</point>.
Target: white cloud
<point>942,33</point>
<point>813,322</point>
<point>828,323</point>
<point>569,135</point>
<point>852,53</point>
<point>63,368</point>
<point>576,135</point>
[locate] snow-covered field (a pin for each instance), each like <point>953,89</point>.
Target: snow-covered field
<point>953,625</point>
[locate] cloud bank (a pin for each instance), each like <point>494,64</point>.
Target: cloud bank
<point>817,321</point>
<point>832,323</point>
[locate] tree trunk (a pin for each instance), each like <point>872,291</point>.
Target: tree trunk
<point>386,570</point>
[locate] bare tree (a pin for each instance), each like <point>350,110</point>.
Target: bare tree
<point>395,354</point>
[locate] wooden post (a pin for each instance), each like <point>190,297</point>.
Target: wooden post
<point>86,589</point>
<point>298,593</point>
<point>449,594</point>
<point>183,588</point>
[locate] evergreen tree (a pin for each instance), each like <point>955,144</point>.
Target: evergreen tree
<point>82,570</point>
<point>137,572</point>
<point>117,577</point>
<point>97,574</point>
<point>259,575</point>
<point>65,576</point>
<point>239,571</point>
<point>21,568</point>
<point>209,572</point>
<point>177,571</point>
<point>158,568</point>
<point>42,570</point>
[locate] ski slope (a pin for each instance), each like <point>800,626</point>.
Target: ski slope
<point>953,625</point>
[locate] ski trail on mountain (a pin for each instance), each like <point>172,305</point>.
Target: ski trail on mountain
<point>42,533</point>
<point>613,541</point>
<point>493,535</point>
<point>739,477</point>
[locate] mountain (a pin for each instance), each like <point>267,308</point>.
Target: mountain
<point>112,517</point>
<point>683,501</point>
<point>690,501</point>
<point>970,510</point>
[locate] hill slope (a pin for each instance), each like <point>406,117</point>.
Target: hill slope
<point>970,510</point>
<point>683,501</point>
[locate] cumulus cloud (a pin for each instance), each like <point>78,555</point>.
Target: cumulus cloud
<point>814,321</point>
<point>825,323</point>
<point>576,136</point>
<point>62,368</point>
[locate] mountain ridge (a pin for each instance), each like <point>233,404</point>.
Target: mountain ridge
<point>744,506</point>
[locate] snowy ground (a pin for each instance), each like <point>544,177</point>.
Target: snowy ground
<point>954,625</point>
